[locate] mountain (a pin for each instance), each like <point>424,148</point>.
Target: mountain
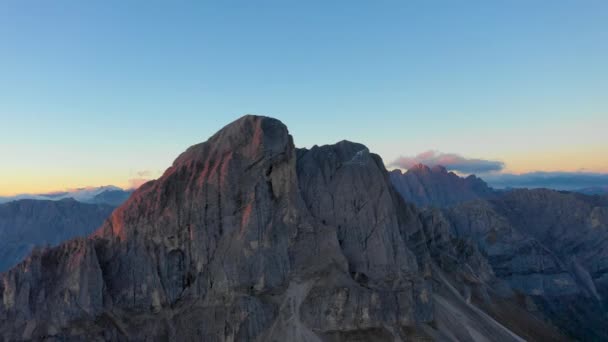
<point>247,238</point>
<point>111,197</point>
<point>596,190</point>
<point>25,224</point>
<point>549,246</point>
<point>436,186</point>
<point>109,194</point>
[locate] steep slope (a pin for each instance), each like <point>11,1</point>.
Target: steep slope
<point>25,224</point>
<point>244,238</point>
<point>550,247</point>
<point>470,301</point>
<point>437,187</point>
<point>347,186</point>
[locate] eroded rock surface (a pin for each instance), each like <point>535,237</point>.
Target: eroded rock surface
<point>549,246</point>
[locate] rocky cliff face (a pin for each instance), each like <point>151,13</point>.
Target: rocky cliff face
<point>25,224</point>
<point>469,298</point>
<point>548,246</point>
<point>346,187</point>
<point>246,238</point>
<point>437,187</point>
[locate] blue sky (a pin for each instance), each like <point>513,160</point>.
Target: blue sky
<point>96,92</point>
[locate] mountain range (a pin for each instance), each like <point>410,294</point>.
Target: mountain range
<point>596,190</point>
<point>108,194</point>
<point>246,237</point>
<point>25,224</point>
<point>425,186</point>
<point>549,246</point>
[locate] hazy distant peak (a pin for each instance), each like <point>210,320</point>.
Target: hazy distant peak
<point>435,186</point>
<point>85,195</point>
<point>419,167</point>
<point>439,169</point>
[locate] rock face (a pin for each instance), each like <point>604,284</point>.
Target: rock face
<point>25,224</point>
<point>246,238</point>
<point>437,187</point>
<point>549,246</point>
<point>345,186</point>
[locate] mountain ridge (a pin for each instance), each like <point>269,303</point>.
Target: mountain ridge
<point>426,186</point>
<point>27,223</point>
<point>107,194</point>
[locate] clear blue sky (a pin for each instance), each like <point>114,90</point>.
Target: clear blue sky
<point>93,92</point>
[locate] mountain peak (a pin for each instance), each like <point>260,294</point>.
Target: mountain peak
<point>422,168</point>
<point>439,169</point>
<point>250,150</point>
<point>419,168</point>
<point>252,135</point>
<point>436,186</point>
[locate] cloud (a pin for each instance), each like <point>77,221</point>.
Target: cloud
<point>144,173</point>
<point>450,161</point>
<point>135,183</point>
<point>551,180</point>
<point>140,177</point>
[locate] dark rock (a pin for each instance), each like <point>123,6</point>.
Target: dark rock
<point>345,186</point>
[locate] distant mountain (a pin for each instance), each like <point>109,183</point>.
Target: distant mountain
<point>25,224</point>
<point>108,194</point>
<point>437,187</point>
<point>596,190</point>
<point>563,181</point>
<point>551,246</point>
<point>112,197</point>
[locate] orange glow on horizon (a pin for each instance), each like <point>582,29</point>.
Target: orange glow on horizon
<point>18,182</point>
<point>570,159</point>
<point>28,181</point>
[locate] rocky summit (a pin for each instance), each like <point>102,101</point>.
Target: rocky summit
<point>435,186</point>
<point>246,238</point>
